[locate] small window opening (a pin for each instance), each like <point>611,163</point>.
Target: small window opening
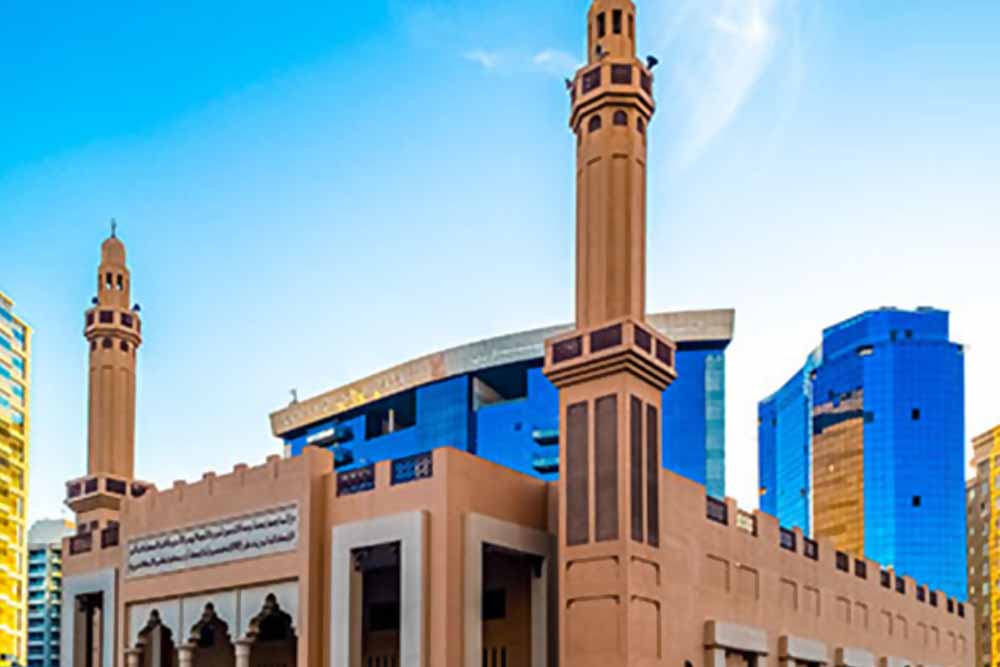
<point>106,344</point>
<point>915,414</point>
<point>621,118</point>
<point>123,345</point>
<point>631,26</point>
<point>120,283</point>
<point>909,333</point>
<point>107,281</point>
<point>500,385</point>
<point>594,124</point>
<point>602,28</point>
<point>917,501</point>
<point>391,415</point>
<point>616,21</point>
<point>893,335</point>
<point>640,125</point>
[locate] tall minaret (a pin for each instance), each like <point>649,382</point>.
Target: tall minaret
<point>114,332</point>
<point>611,371</point>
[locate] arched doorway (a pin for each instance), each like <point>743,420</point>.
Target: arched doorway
<point>272,638</point>
<point>155,644</point>
<point>210,641</point>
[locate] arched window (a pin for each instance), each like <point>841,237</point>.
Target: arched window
<point>106,343</point>
<point>602,25</point>
<point>621,118</point>
<point>123,345</point>
<point>121,283</point>
<point>595,123</point>
<point>616,21</point>
<point>641,126</point>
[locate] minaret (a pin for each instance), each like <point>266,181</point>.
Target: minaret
<point>611,371</point>
<point>113,331</point>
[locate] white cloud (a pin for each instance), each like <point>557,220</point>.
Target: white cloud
<point>719,51</point>
<point>488,60</point>
<point>558,63</point>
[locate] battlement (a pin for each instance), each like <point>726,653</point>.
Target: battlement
<point>747,562</point>
<point>243,489</point>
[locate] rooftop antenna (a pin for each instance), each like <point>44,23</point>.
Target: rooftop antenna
<point>295,395</point>
<point>114,228</point>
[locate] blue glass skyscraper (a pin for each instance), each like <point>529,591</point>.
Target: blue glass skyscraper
<point>865,444</point>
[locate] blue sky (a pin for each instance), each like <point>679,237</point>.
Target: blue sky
<point>314,192</point>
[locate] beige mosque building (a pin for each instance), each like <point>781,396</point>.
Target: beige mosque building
<point>448,560</point>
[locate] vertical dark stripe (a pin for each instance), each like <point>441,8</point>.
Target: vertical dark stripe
<point>653,475</point>
<point>577,476</point>
<point>606,465</point>
<point>635,435</point>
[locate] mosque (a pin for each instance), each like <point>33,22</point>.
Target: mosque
<point>446,559</point>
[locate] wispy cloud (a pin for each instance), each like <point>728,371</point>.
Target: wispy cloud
<point>555,62</point>
<point>488,60</point>
<point>547,61</point>
<point>720,51</point>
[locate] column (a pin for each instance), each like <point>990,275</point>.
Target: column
<point>185,655</point>
<point>133,657</point>
<point>715,657</point>
<point>243,647</point>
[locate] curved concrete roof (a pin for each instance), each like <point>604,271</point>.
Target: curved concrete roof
<point>690,327</point>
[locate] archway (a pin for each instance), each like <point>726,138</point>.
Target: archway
<point>272,637</point>
<point>210,642</point>
<point>155,645</point>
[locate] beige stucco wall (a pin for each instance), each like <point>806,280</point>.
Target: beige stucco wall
<point>696,552</point>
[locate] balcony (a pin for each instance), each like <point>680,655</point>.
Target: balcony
<point>88,493</point>
<point>545,464</point>
<point>545,436</point>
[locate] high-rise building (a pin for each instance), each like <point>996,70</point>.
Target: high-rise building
<point>45,590</point>
<point>491,398</point>
<point>983,541</point>
<point>865,444</point>
<point>15,360</point>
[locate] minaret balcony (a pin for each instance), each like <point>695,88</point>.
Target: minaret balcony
<point>622,81</point>
<point>109,320</point>
<point>101,492</point>
<point>622,345</point>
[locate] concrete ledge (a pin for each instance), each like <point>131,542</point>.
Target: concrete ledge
<point>807,650</point>
<point>737,637</point>
<point>853,657</point>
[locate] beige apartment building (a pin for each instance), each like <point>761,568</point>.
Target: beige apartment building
<point>983,512</point>
<point>444,559</point>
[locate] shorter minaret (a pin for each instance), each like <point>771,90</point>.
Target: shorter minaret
<point>113,330</point>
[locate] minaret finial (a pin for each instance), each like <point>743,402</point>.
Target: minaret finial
<point>114,228</point>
